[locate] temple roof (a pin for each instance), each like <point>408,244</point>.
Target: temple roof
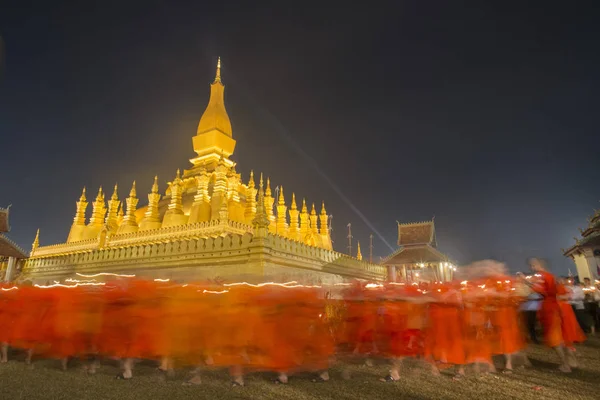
<point>417,233</point>
<point>414,255</point>
<point>215,116</point>
<point>590,236</point>
<point>591,240</point>
<point>8,248</point>
<point>4,226</point>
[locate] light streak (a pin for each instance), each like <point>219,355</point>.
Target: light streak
<point>105,274</point>
<point>286,284</point>
<point>11,288</point>
<point>161,280</point>
<point>70,286</point>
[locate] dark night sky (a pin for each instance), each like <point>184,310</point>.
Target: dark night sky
<point>482,115</point>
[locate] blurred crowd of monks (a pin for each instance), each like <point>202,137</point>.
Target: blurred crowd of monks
<point>283,328</point>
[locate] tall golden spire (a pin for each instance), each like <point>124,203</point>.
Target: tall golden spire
<point>269,200</point>
<point>175,206</point>
<point>98,209</point>
<point>260,221</point>
<point>215,116</point>
<point>81,207</point>
<point>153,199</point>
<point>358,253</point>
<point>113,209</point>
<point>250,211</point>
<point>323,220</point>
<point>281,227</point>
<point>132,201</point>
<point>304,223</point>
<point>313,220</point>
<point>36,242</point>
<point>293,218</point>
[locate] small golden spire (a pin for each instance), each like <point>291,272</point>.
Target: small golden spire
<point>132,192</point>
<point>261,220</point>
<point>115,196</point>
<point>304,221</point>
<point>323,218</point>
<point>268,189</point>
<point>251,180</point>
<point>82,198</point>
<point>98,209</point>
<point>155,184</point>
<point>151,217</point>
<point>178,174</point>
<point>260,182</point>
<point>358,253</point>
<point>121,213</point>
<point>132,200</point>
<point>111,220</point>
<point>100,195</point>
<point>293,205</point>
<point>281,200</point>
<point>313,220</point>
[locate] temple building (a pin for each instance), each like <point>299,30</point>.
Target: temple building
<point>417,257</point>
<point>209,223</point>
<point>11,255</point>
<point>586,250</point>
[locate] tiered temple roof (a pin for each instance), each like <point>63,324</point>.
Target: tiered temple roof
<point>418,249</point>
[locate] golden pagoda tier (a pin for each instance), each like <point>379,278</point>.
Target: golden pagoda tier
<point>209,223</point>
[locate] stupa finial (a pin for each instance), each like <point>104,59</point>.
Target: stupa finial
<point>218,74</point>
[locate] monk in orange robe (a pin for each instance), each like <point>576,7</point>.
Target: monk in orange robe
<point>570,328</point>
<point>8,298</point>
<point>550,313</point>
<point>444,335</point>
<point>504,316</point>
<point>477,330</point>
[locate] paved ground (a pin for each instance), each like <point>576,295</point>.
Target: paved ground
<point>543,381</point>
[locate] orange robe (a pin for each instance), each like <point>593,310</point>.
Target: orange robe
<point>571,331</point>
<point>444,336</point>
<point>549,313</point>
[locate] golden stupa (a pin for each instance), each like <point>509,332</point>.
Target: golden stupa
<point>208,224</point>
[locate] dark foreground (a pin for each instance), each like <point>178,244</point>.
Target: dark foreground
<point>543,381</point>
